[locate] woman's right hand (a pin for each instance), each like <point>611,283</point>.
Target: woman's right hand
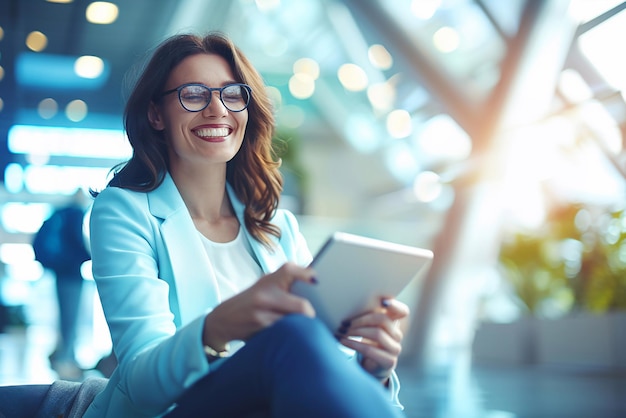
<point>258,307</point>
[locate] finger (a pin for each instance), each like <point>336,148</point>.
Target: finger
<point>377,337</point>
<point>290,272</point>
<point>382,372</point>
<point>395,309</point>
<point>286,303</point>
<point>377,320</point>
<point>375,360</point>
<point>266,318</point>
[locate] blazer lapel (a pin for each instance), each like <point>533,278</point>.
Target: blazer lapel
<point>193,276</point>
<point>270,259</point>
<point>195,283</point>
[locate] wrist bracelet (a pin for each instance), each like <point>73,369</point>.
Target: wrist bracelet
<point>214,354</point>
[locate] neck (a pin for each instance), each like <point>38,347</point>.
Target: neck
<point>204,192</point>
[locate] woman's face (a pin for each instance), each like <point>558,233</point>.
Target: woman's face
<point>211,136</point>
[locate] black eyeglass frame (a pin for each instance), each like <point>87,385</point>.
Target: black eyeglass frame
<point>211,90</point>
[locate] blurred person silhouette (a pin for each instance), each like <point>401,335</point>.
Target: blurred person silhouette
<point>61,246</point>
<point>4,309</point>
<point>194,262</point>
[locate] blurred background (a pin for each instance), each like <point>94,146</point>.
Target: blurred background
<point>491,132</point>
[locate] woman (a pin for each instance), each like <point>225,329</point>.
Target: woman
<point>192,259</point>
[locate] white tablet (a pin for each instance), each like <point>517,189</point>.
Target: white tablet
<point>355,273</point>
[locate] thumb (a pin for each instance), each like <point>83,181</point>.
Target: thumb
<point>290,272</point>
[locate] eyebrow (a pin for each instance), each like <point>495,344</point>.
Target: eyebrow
<point>222,85</point>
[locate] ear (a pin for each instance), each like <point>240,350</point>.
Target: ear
<point>154,116</point>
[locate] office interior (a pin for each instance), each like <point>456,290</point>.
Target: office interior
<point>490,132</point>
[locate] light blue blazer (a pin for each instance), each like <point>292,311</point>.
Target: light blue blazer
<point>156,285</point>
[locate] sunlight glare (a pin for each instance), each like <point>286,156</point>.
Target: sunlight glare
<point>603,125</point>
<point>593,44</point>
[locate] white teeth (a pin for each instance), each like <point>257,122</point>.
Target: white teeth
<point>212,132</point>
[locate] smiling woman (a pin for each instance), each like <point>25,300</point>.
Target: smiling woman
<point>192,224</point>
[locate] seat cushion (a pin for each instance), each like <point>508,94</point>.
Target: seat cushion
<point>21,401</point>
<point>61,398</point>
<point>70,399</point>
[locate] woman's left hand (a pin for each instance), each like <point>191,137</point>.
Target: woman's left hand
<point>381,338</point>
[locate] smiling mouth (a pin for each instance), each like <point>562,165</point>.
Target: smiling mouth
<point>212,132</point>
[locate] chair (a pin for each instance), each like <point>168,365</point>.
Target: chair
<point>59,399</point>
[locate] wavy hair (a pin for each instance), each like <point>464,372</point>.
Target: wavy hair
<point>253,172</point>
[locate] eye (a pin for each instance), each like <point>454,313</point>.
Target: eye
<point>194,94</point>
<point>233,93</point>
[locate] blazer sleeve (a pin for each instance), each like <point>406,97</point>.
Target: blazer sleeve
<point>156,361</point>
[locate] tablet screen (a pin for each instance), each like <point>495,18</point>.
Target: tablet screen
<point>355,273</point>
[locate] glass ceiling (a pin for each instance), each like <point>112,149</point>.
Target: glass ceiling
<point>388,100</point>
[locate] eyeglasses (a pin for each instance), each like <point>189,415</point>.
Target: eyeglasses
<point>196,97</point>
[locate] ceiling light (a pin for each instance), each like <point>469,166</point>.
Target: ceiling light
<point>36,41</point>
<point>307,66</point>
<point>1,72</point>
<point>56,180</point>
<point>76,110</point>
<point>352,77</point>
<point>1,33</point>
<point>60,1</point>
<point>65,141</point>
<point>55,71</point>
<point>89,66</point>
<point>101,12</point>
<point>301,86</point>
<point>427,186</point>
<point>47,108</point>
<point>399,123</point>
<point>380,57</point>
<point>382,96</point>
<point>446,39</point>
<point>13,183</point>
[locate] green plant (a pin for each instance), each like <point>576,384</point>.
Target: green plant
<point>575,261</point>
<point>286,144</point>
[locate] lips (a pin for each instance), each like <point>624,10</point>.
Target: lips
<point>219,132</point>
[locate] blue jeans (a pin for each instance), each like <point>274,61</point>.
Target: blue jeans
<point>291,369</point>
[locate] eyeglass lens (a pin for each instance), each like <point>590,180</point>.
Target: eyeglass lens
<point>196,97</point>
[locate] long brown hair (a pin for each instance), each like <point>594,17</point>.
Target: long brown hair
<point>253,172</point>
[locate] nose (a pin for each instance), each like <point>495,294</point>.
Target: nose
<point>216,107</point>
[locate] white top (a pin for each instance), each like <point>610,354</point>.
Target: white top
<point>235,271</point>
<point>233,264</point>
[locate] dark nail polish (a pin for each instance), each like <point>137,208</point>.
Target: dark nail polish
<point>314,280</point>
<point>385,303</point>
<point>346,323</point>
